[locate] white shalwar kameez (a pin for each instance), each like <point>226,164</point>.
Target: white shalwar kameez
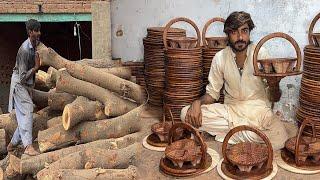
<point>246,101</point>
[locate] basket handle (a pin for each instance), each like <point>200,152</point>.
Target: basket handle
<point>298,139</point>
<point>171,22</point>
<point>206,26</point>
<point>313,23</point>
<point>252,129</point>
<point>168,109</point>
<point>196,134</point>
<point>275,35</point>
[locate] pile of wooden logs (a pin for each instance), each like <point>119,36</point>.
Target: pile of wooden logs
<point>88,126</point>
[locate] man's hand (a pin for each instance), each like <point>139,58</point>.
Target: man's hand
<point>194,115</point>
<point>37,61</point>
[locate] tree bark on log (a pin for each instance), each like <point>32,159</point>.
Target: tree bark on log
<point>95,158</point>
<point>33,164</point>
<point>81,109</point>
<point>54,122</point>
<point>129,173</point>
<point>100,63</point>
<point>3,141</point>
<point>56,137</point>
<point>58,100</point>
<point>40,98</point>
<point>114,105</point>
<point>94,75</point>
<point>121,72</point>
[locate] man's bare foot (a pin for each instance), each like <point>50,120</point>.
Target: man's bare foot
<point>31,151</point>
<point>11,147</point>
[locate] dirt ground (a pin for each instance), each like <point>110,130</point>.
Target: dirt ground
<point>149,163</point>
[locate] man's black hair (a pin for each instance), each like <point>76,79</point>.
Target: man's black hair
<point>236,20</point>
<point>32,25</point>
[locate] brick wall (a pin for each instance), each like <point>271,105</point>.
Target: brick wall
<point>48,6</point>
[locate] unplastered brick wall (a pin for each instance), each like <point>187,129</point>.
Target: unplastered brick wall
<point>47,6</point>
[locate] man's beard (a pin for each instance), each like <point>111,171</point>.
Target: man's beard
<point>235,46</point>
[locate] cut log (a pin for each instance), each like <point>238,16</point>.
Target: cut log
<point>3,141</point>
<point>40,98</point>
<point>40,118</point>
<point>13,167</point>
<point>81,109</point>
<point>40,81</point>
<point>129,173</point>
<point>58,100</point>
<point>54,122</point>
<point>1,174</point>
<point>56,137</point>
<point>100,63</point>
<point>94,75</point>
<point>114,105</point>
<point>121,72</point>
<point>32,165</point>
<point>96,158</point>
<point>8,122</point>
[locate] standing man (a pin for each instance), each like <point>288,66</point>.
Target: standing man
<point>22,80</point>
<point>246,96</point>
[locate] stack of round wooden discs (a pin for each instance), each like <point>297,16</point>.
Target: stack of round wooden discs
<point>211,45</point>
<point>183,70</point>
<point>154,61</point>
<point>310,84</point>
<point>310,88</point>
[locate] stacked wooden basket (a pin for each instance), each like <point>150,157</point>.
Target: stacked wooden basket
<point>310,84</point>
<point>154,61</point>
<point>183,69</point>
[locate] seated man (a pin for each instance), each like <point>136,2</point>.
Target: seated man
<point>246,98</point>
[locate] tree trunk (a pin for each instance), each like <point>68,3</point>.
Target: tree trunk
<point>1,174</point>
<point>95,158</point>
<point>40,119</point>
<point>121,72</point>
<point>114,105</point>
<point>58,100</point>
<point>94,75</point>
<point>56,137</point>
<point>54,122</point>
<point>13,167</point>
<point>81,109</point>
<point>98,174</point>
<point>33,164</point>
<point>100,63</point>
<point>3,141</point>
<point>40,98</point>
<point>8,122</point>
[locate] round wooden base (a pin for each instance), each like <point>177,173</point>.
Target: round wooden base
<point>226,175</point>
<point>308,165</point>
<point>234,173</point>
<point>290,168</point>
<point>154,140</point>
<point>167,167</point>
